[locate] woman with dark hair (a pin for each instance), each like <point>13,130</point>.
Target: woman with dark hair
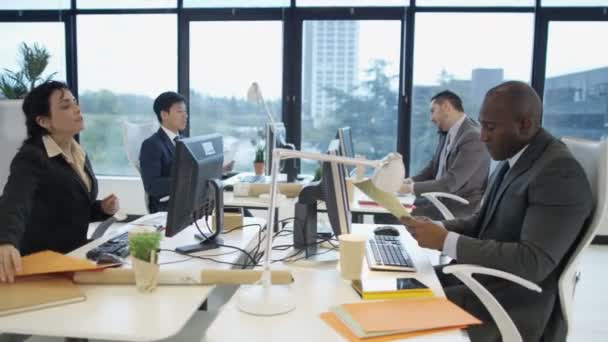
<point>50,196</point>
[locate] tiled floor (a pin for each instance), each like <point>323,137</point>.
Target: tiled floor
<point>590,311</point>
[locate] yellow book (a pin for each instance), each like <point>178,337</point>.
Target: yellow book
<point>370,289</point>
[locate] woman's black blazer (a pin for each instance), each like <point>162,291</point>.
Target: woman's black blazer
<point>45,205</point>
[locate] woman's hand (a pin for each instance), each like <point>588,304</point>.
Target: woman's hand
<point>110,205</point>
<point>10,263</point>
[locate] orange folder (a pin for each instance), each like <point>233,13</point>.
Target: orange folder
<point>408,315</point>
<point>333,321</point>
<point>46,262</point>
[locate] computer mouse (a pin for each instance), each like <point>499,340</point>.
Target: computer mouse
<point>386,230</point>
<point>107,258</point>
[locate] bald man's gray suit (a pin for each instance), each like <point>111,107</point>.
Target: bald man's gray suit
<point>466,173</point>
<point>538,213</point>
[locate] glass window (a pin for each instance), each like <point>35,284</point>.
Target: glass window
<point>225,58</point>
<point>34,4</point>
<point>576,84</point>
<point>466,60</point>
<point>50,36</point>
<point>353,3</point>
<point>577,3</point>
<point>472,3</point>
<point>367,101</point>
<point>236,3</point>
<point>101,4</point>
<point>124,62</point>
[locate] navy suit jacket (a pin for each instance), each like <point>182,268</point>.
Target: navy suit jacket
<point>155,159</point>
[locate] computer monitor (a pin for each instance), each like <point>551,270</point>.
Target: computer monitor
<point>332,190</point>
<point>196,188</point>
<point>347,148</point>
<point>276,138</point>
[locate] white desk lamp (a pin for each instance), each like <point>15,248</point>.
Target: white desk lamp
<point>254,94</point>
<point>267,299</point>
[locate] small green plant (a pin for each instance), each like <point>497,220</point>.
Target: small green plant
<point>259,154</point>
<point>141,244</point>
<point>33,60</point>
<point>318,173</point>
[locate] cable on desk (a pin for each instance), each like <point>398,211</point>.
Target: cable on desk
<point>219,244</point>
<point>204,258</point>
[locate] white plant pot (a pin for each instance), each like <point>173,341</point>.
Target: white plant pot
<point>146,275</point>
<point>12,134</point>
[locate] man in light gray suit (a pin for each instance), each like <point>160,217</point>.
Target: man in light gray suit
<point>534,209</point>
<point>460,165</point>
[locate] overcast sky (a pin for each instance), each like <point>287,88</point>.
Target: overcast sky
<point>137,53</point>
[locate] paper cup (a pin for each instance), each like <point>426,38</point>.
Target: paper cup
<point>352,250</point>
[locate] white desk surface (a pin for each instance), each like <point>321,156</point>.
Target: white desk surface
<point>120,312</point>
<point>318,287</point>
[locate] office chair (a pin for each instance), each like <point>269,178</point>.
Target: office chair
<point>593,157</point>
<point>133,135</point>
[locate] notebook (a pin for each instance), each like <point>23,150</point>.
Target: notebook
<point>33,293</point>
<point>373,319</point>
<point>391,288</point>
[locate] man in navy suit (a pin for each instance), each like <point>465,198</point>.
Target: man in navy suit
<point>156,154</point>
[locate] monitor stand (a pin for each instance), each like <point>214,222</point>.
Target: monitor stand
<point>213,241</point>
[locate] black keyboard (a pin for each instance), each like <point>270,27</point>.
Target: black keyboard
<point>385,252</point>
<point>118,245</point>
<point>253,179</point>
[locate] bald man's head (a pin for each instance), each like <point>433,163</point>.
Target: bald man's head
<point>510,118</point>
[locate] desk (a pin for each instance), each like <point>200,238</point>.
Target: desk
<point>359,210</point>
<point>317,287</point>
<point>119,312</point>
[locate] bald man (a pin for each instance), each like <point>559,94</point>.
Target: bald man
<point>535,207</point>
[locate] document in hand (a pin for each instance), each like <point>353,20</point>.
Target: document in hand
<point>230,154</point>
<point>46,262</point>
<point>373,319</point>
<point>32,293</point>
<point>387,200</point>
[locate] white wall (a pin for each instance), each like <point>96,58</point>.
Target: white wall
<point>12,134</point>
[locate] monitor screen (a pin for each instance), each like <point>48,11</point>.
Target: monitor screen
<point>347,148</point>
<point>289,166</point>
<point>195,177</point>
<point>334,193</point>
<point>332,190</point>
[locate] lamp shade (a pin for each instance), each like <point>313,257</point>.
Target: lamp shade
<point>253,93</point>
<point>388,176</point>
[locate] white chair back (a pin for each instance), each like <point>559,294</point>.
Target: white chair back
<point>593,156</point>
<point>133,135</point>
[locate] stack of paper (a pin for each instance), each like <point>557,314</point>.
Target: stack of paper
<point>396,319</point>
<point>391,288</point>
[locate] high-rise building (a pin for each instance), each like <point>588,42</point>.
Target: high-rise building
<point>330,61</point>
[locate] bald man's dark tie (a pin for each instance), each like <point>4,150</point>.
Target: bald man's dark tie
<point>502,171</point>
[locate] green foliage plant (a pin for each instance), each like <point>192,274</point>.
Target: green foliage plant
<point>259,154</point>
<point>33,61</point>
<point>141,244</point>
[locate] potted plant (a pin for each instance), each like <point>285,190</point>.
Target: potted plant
<point>14,85</point>
<point>258,162</point>
<point>143,246</point>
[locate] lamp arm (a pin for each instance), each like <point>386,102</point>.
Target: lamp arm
<point>282,153</point>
